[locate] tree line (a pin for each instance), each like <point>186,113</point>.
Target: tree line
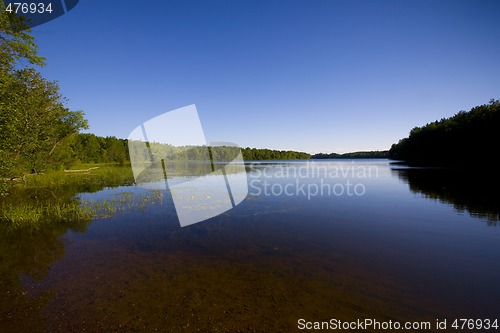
<point>155,151</point>
<point>463,139</point>
<point>90,148</point>
<point>356,154</point>
<point>254,154</point>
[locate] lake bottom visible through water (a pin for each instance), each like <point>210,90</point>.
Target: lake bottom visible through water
<point>402,251</point>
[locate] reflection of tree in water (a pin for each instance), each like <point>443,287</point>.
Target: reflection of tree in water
<point>473,191</point>
<point>28,252</point>
<point>31,244</point>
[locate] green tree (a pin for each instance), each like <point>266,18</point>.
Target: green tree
<point>34,123</point>
<point>16,44</point>
<point>115,150</point>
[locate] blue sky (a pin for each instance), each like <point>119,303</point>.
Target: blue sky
<point>314,76</point>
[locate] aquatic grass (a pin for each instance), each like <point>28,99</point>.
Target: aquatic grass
<point>125,202</point>
<point>89,176</point>
<point>35,216</point>
<point>53,197</point>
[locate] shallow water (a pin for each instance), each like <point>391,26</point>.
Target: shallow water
<point>313,240</point>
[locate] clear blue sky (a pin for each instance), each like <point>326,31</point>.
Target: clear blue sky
<point>315,76</point>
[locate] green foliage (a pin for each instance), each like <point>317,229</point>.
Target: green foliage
<point>90,148</point>
<point>217,153</point>
<point>16,43</point>
<point>34,124</point>
<point>453,140</point>
<point>254,154</point>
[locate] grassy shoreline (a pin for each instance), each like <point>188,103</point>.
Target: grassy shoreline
<point>52,197</point>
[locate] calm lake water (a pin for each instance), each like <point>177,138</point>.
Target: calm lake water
<point>314,240</point>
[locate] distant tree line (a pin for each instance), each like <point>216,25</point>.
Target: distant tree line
<point>195,153</point>
<point>357,154</point>
<point>465,138</point>
<point>268,154</point>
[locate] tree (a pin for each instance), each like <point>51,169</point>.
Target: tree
<point>115,150</point>
<point>16,44</point>
<point>458,140</point>
<point>34,123</point>
<point>33,120</point>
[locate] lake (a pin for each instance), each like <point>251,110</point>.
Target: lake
<point>313,241</point>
